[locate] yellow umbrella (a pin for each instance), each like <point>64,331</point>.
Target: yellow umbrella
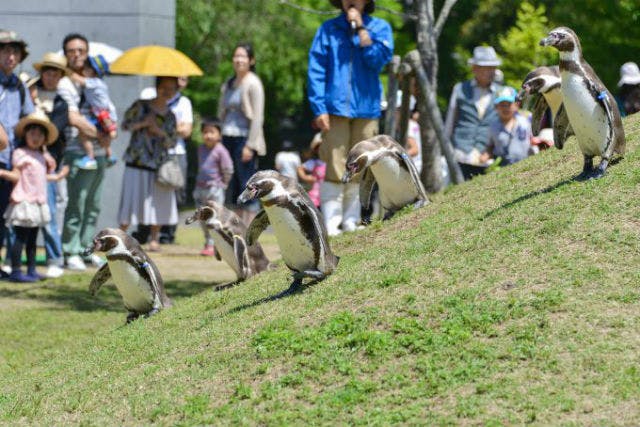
<point>155,60</point>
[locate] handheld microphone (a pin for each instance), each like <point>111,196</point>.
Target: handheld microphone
<point>353,22</point>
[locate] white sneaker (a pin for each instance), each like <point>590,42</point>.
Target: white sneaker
<point>54,271</point>
<point>96,261</point>
<point>74,262</point>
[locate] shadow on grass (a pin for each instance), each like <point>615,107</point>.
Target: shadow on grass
<point>76,297</point>
<point>286,293</point>
<point>528,196</point>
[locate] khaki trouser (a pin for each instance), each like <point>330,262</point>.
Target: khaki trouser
<point>343,134</point>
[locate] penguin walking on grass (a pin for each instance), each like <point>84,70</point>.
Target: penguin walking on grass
<point>544,84</point>
<point>592,111</point>
<point>383,161</point>
<point>228,231</point>
<point>135,275</point>
<point>297,225</point>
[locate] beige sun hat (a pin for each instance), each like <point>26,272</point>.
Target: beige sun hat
<point>40,118</point>
<point>629,74</point>
<point>53,60</point>
<point>485,56</point>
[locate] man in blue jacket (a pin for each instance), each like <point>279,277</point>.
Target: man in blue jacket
<point>345,60</point>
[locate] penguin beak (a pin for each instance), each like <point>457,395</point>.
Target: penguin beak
<point>249,193</point>
<point>523,93</point>
<point>88,251</point>
<point>548,41</point>
<point>352,169</point>
<point>193,218</point>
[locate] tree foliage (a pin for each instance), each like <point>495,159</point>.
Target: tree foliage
<point>521,51</point>
<point>208,31</point>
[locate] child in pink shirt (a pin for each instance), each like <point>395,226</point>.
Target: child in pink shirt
<point>28,209</point>
<point>313,170</point>
<point>215,168</point>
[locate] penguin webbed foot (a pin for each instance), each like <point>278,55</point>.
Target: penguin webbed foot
<point>228,285</point>
<point>132,316</point>
<point>314,274</point>
<point>587,169</point>
<point>600,170</point>
<point>420,203</point>
<point>151,313</point>
<point>388,215</point>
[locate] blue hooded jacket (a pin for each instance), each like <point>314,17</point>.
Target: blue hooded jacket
<point>343,78</point>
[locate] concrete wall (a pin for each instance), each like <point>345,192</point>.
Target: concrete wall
<point>119,23</point>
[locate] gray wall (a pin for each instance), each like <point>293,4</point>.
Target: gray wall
<point>119,23</point>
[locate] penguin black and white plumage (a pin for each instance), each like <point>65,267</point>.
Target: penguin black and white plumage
<point>135,275</point>
<point>592,110</point>
<point>383,161</point>
<point>297,224</point>
<point>544,83</point>
<point>228,231</point>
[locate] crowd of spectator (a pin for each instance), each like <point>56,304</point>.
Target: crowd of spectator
<point>57,128</point>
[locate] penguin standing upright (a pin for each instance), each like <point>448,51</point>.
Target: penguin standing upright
<point>383,161</point>
<point>135,275</point>
<point>592,111</point>
<point>228,231</point>
<point>296,222</point>
<point>544,82</point>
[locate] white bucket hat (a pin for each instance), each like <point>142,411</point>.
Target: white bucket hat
<point>629,74</point>
<point>484,56</point>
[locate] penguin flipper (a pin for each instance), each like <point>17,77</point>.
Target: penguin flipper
<point>562,129</point>
<point>257,226</point>
<point>603,97</point>
<point>413,172</point>
<point>100,278</point>
<point>155,281</point>
<point>539,109</point>
<point>242,256</point>
<point>367,182</point>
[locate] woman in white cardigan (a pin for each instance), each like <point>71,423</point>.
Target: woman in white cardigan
<point>241,111</point>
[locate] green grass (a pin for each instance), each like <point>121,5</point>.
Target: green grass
<point>511,299</point>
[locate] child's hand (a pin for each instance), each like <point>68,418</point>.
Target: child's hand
<point>484,157</point>
<point>77,79</point>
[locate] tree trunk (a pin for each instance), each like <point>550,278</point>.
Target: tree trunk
<point>434,119</point>
<point>425,65</point>
<point>390,127</point>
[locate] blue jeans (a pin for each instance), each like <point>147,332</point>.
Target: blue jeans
<point>5,192</point>
<point>241,172</point>
<point>52,238</point>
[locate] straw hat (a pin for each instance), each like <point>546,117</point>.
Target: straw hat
<point>369,7</point>
<point>52,60</point>
<point>485,56</point>
<point>629,74</point>
<point>40,118</point>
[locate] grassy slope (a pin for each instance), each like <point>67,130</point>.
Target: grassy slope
<point>513,298</point>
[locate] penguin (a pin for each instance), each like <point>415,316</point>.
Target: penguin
<point>297,225</point>
<point>228,233</point>
<point>544,84</point>
<point>591,109</point>
<point>383,161</point>
<point>135,275</point>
